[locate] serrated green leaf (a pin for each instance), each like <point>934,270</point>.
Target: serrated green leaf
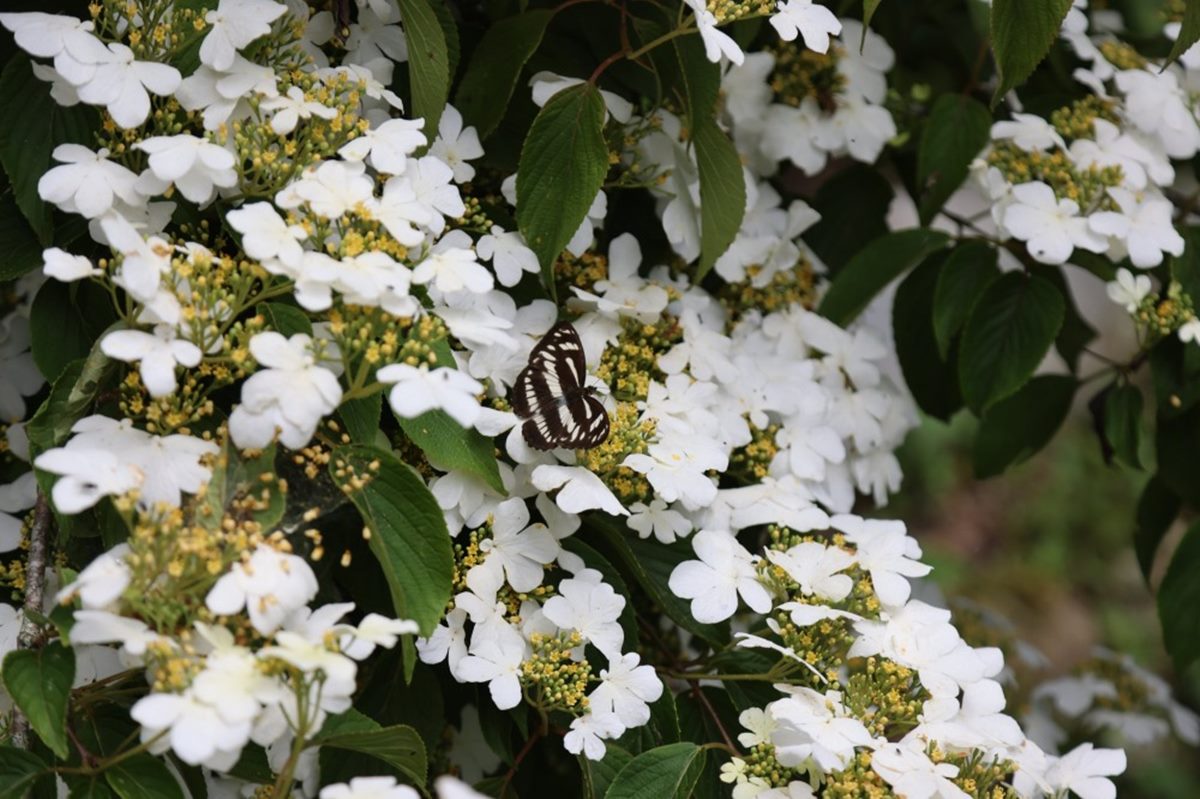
<point>408,530</point>
<point>1010,330</point>
<point>428,62</point>
<point>18,771</point>
<point>873,267</point>
<point>869,9</point>
<point>967,273</point>
<point>563,164</point>
<point>1157,509</point>
<point>1189,31</point>
<point>958,127</point>
<point>20,245</point>
<point>143,777</point>
<point>1178,599</point>
<point>1022,33</point>
<point>399,746</point>
<point>65,322</point>
<point>449,446</point>
<point>287,320</point>
<point>39,682</point>
<point>1123,423</point>
<point>722,193</point>
<point>491,76</point>
<point>665,772</point>
<point>362,417</point>
<point>929,374</point>
<point>599,774</point>
<point>96,788</point>
<point>853,205</point>
<point>1023,423</point>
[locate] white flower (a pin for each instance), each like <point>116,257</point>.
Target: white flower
<point>626,690</point>
<point>887,553</point>
<point>374,37</point>
<point>197,732</point>
<point>592,607</point>
<point>64,266</point>
<point>87,183</point>
<point>222,94</point>
<point>268,585</point>
<point>369,788</point>
<point>235,24</point>
<point>386,147</point>
<point>812,725</point>
<point>292,107</point>
<point>588,733</point>
<point>511,258</point>
<point>1143,225</point>
<point>420,389</point>
<point>452,268</point>
<point>456,145</point>
<point>266,236</point>
<point>196,166</point>
<point>103,627</point>
<point>713,583</point>
<point>1051,228</point>
<point>1085,771</point>
<point>815,568</point>
<point>911,773</point>
<point>667,525</point>
<point>19,375</point>
<point>545,85</point>
<point>1157,105</point>
<point>717,43</point>
<point>332,189</point>
<point>15,497</point>
<point>623,292</point>
<point>580,489</point>
<point>1128,290</point>
<point>448,641</point>
<point>375,630</point>
<point>120,84</point>
<point>517,551</point>
<point>677,466</point>
<point>1189,331</point>
<point>158,352</point>
<point>288,399</point>
<point>1029,132</point>
<point>496,659</point>
<point>58,36</point>
<point>814,22</point>
<point>432,184</point>
<point>101,582</point>
<point>83,481</point>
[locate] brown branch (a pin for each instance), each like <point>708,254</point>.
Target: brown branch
<point>35,587</point>
<point>698,692</point>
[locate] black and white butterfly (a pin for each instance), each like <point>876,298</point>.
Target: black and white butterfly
<point>551,395</point>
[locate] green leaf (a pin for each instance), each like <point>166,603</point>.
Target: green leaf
<point>428,62</point>
<point>39,682</point>
<point>1177,440</point>
<point>869,9</point>
<point>284,319</point>
<point>563,164</point>
<point>1157,509</point>
<point>957,129</point>
<point>967,273</point>
<point>1020,425</point>
<point>18,771</point>
<point>1189,31</point>
<point>143,777</point>
<point>1123,423</point>
<point>491,76</point>
<point>700,77</point>
<point>599,774</point>
<point>361,417</point>
<point>873,267</point>
<point>1075,333</point>
<point>661,773</point>
<point>722,193</point>
<point>449,446</point>
<point>96,788</point>
<point>65,322</point>
<point>929,374</point>
<point>20,245</point>
<point>853,205</point>
<point>399,746</point>
<point>1010,330</point>
<point>70,398</point>
<point>408,531</point>
<point>1022,33</point>
<point>1178,599</point>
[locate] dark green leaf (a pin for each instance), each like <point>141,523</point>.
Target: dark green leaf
<point>361,417</point>
<point>930,375</point>
<point>700,77</point>
<point>495,67</point>
<point>957,129</point>
<point>1010,330</point>
<point>18,771</point>
<point>70,398</point>
<point>722,193</point>
<point>853,205</point>
<point>1123,423</point>
<point>1022,33</point>
<point>449,446</point>
<point>1075,333</point>
<point>96,788</point>
<point>1157,509</point>
<point>599,774</point>
<point>20,245</point>
<point>662,773</point>
<point>428,62</point>
<point>876,265</point>
<point>1177,440</point>
<point>399,746</point>
<point>64,323</point>
<point>967,273</point>
<point>408,531</point>
<point>445,16</point>
<point>1189,31</point>
<point>563,164</point>
<point>39,682</point>
<point>1021,424</point>
<point>143,777</point>
<point>252,766</point>
<point>869,9</point>
<point>1178,600</point>
<point>284,319</point>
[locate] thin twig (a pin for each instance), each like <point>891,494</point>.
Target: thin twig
<point>698,692</point>
<point>35,587</point>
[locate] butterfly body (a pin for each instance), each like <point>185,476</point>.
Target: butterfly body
<point>551,395</point>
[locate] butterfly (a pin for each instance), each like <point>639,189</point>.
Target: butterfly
<point>551,396</point>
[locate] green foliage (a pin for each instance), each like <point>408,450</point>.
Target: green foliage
<point>1023,423</point>
<point>1189,31</point>
<point>668,772</point>
<point>143,777</point>
<point>408,532</point>
<point>487,85</point>
<point>449,447</point>
<point>18,771</point>
<point>39,682</point>
<point>929,373</point>
<point>957,129</point>
<point>967,273</point>
<point>1022,33</point>
<point>1178,599</point>
<point>285,319</point>
<point>65,322</point>
<point>563,164</point>
<point>722,193</point>
<point>1122,423</point>
<point>1157,509</point>
<point>877,264</point>
<point>428,62</point>
<point>399,746</point>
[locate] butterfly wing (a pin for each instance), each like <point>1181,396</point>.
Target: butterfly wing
<point>550,395</point>
<point>579,423</point>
